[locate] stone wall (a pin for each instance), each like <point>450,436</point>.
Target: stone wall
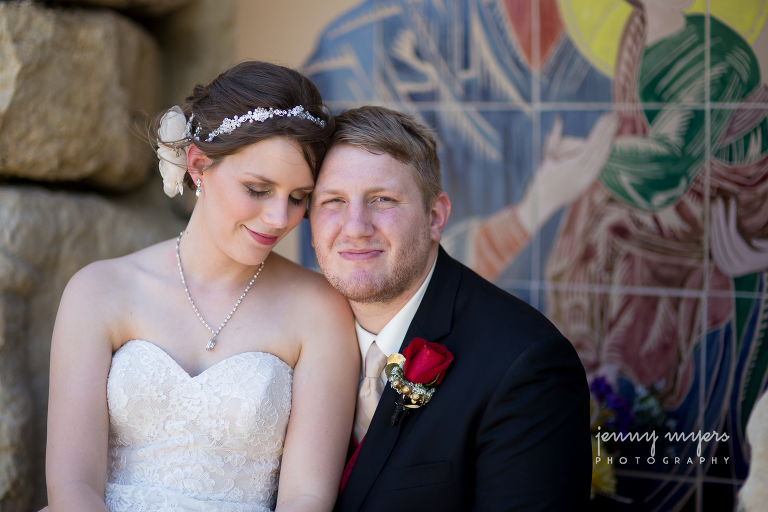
<point>77,183</point>
<point>45,237</point>
<point>74,82</point>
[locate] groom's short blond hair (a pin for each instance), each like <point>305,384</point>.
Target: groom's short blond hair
<point>381,130</point>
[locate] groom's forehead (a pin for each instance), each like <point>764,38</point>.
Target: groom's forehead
<point>346,164</point>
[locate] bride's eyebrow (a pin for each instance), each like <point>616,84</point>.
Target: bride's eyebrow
<point>268,181</point>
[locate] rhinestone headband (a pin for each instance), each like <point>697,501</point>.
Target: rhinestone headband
<point>259,115</point>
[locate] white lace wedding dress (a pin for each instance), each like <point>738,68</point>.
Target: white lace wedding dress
<point>207,443</point>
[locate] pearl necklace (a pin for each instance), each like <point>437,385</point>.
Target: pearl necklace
<point>212,341</point>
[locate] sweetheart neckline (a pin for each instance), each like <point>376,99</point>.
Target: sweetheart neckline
<point>176,363</point>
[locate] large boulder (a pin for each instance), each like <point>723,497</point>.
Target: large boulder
<point>45,237</point>
<point>73,86</point>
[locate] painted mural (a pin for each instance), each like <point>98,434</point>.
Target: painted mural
<point>607,161</point>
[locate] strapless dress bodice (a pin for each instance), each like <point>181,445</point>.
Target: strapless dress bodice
<point>212,442</point>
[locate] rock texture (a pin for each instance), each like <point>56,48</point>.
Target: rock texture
<point>72,86</point>
<point>197,44</point>
<point>45,237</point>
<point>138,7</point>
<point>15,404</point>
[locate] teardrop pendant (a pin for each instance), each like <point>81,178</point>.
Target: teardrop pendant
<point>212,341</point>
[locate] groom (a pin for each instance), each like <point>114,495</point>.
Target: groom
<point>508,425</point>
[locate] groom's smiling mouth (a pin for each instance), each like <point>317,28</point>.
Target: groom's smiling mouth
<point>359,254</point>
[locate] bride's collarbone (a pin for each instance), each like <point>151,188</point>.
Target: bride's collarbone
<point>187,349</point>
<point>176,329</point>
<point>267,319</point>
<point>194,363</point>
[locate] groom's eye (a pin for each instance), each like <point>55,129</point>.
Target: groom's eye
<point>383,201</point>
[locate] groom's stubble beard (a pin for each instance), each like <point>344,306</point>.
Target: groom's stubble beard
<point>408,265</point>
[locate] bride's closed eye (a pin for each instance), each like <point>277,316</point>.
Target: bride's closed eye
<point>297,201</point>
<point>258,193</point>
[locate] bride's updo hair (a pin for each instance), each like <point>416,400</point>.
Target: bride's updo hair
<point>246,87</point>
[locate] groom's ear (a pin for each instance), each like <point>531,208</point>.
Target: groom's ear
<point>439,213</point>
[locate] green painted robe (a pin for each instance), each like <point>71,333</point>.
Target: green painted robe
<point>653,171</point>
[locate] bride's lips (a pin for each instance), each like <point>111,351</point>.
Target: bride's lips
<point>262,238</point>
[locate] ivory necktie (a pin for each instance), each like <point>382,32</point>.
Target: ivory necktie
<point>370,390</point>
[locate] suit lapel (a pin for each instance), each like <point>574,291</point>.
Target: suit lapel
<point>434,317</point>
<point>432,321</point>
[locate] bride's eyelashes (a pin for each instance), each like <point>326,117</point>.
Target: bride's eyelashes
<point>296,201</point>
<point>257,193</point>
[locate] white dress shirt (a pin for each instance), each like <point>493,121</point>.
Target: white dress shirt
<point>391,335</point>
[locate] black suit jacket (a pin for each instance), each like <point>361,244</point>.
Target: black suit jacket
<point>507,429</point>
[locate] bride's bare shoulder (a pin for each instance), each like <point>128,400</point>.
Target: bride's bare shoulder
<point>104,281</point>
<point>94,303</point>
<point>310,292</point>
<point>320,317</point>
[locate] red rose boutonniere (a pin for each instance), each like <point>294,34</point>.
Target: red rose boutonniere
<point>415,373</point>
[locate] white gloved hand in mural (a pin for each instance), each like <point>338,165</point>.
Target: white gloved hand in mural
<point>733,255</point>
<point>569,166</point>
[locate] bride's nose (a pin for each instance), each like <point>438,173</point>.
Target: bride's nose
<point>275,213</point>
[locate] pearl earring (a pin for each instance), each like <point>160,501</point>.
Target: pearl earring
<point>199,190</point>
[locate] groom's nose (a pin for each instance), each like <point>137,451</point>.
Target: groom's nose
<point>357,220</point>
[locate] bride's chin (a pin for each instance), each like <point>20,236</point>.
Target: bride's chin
<point>253,258</point>
<point>257,253</point>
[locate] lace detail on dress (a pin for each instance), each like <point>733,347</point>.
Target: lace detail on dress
<point>207,443</point>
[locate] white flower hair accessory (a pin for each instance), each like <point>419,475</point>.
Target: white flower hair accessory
<point>173,160</point>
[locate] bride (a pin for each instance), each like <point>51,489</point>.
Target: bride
<point>190,375</point>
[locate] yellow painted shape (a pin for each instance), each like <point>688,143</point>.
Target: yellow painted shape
<point>595,26</point>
